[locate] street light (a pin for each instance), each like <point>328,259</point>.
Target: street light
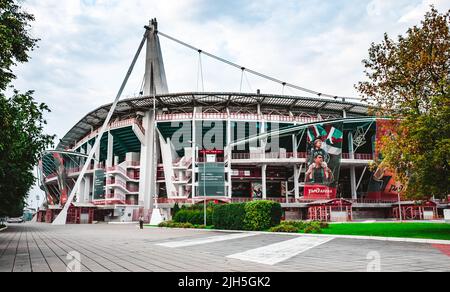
<point>398,185</point>
<point>194,145</point>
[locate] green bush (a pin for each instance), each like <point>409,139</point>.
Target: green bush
<point>284,228</point>
<point>324,225</point>
<point>199,207</point>
<point>195,217</point>
<point>171,224</point>
<point>313,227</point>
<point>175,209</point>
<point>229,217</point>
<point>300,225</point>
<point>262,215</point>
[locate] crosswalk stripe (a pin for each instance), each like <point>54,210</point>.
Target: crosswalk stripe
<point>199,241</point>
<point>280,252</point>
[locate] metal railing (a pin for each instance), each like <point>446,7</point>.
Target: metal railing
<point>124,172</point>
<point>74,170</point>
<point>237,116</point>
<point>358,156</point>
<point>283,200</point>
<point>118,182</point>
<point>290,155</point>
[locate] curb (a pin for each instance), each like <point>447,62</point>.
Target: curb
<point>388,239</point>
<point>4,228</point>
<point>123,223</point>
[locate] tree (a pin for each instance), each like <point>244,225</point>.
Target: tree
<point>21,118</point>
<point>409,80</point>
<point>15,41</point>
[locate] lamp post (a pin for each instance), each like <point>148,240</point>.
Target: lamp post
<point>194,145</point>
<point>398,185</point>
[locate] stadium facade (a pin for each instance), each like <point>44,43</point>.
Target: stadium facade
<point>165,148</point>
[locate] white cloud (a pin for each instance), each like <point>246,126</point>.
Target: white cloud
<point>416,14</point>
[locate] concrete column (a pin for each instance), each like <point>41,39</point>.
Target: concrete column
<point>352,168</point>
<point>230,151</point>
<point>264,181</point>
<point>296,182</point>
<point>147,181</point>
<point>262,130</point>
<point>180,186</point>
<point>295,143</point>
<point>81,192</point>
<point>87,189</point>
<point>110,151</point>
<point>97,157</point>
<point>88,147</point>
<point>194,152</point>
<point>155,74</point>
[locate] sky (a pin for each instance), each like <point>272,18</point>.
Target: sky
<point>86,46</point>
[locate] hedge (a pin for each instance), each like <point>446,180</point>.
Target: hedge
<point>195,217</point>
<point>262,215</point>
<point>253,216</point>
<point>229,217</point>
<point>300,227</point>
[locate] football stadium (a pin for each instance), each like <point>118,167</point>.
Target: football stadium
<point>313,155</point>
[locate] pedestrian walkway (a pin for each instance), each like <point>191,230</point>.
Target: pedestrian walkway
<point>280,252</point>
<point>123,248</point>
<point>199,241</point>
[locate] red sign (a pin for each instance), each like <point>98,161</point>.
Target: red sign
<point>320,192</point>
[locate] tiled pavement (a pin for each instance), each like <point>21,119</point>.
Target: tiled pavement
<point>101,248</point>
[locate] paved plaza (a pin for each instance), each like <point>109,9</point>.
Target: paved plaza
<point>125,248</point>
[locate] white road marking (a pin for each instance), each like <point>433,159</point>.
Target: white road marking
<point>279,252</point>
<point>199,241</point>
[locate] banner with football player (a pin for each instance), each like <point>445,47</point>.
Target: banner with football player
<point>324,150</point>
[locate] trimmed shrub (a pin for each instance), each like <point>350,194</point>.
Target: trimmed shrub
<point>300,225</point>
<point>171,224</point>
<point>324,225</point>
<point>313,228</point>
<point>262,215</point>
<point>229,217</point>
<point>195,217</point>
<point>284,228</point>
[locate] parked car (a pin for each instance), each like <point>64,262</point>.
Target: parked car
<point>15,220</point>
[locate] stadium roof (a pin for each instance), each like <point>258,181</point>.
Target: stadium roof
<point>96,118</point>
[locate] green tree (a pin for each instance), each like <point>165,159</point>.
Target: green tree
<point>409,80</point>
<point>21,118</point>
<point>15,40</point>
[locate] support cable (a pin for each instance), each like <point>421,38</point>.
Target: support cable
<point>242,79</point>
<point>200,72</point>
<point>319,94</point>
<point>248,83</point>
